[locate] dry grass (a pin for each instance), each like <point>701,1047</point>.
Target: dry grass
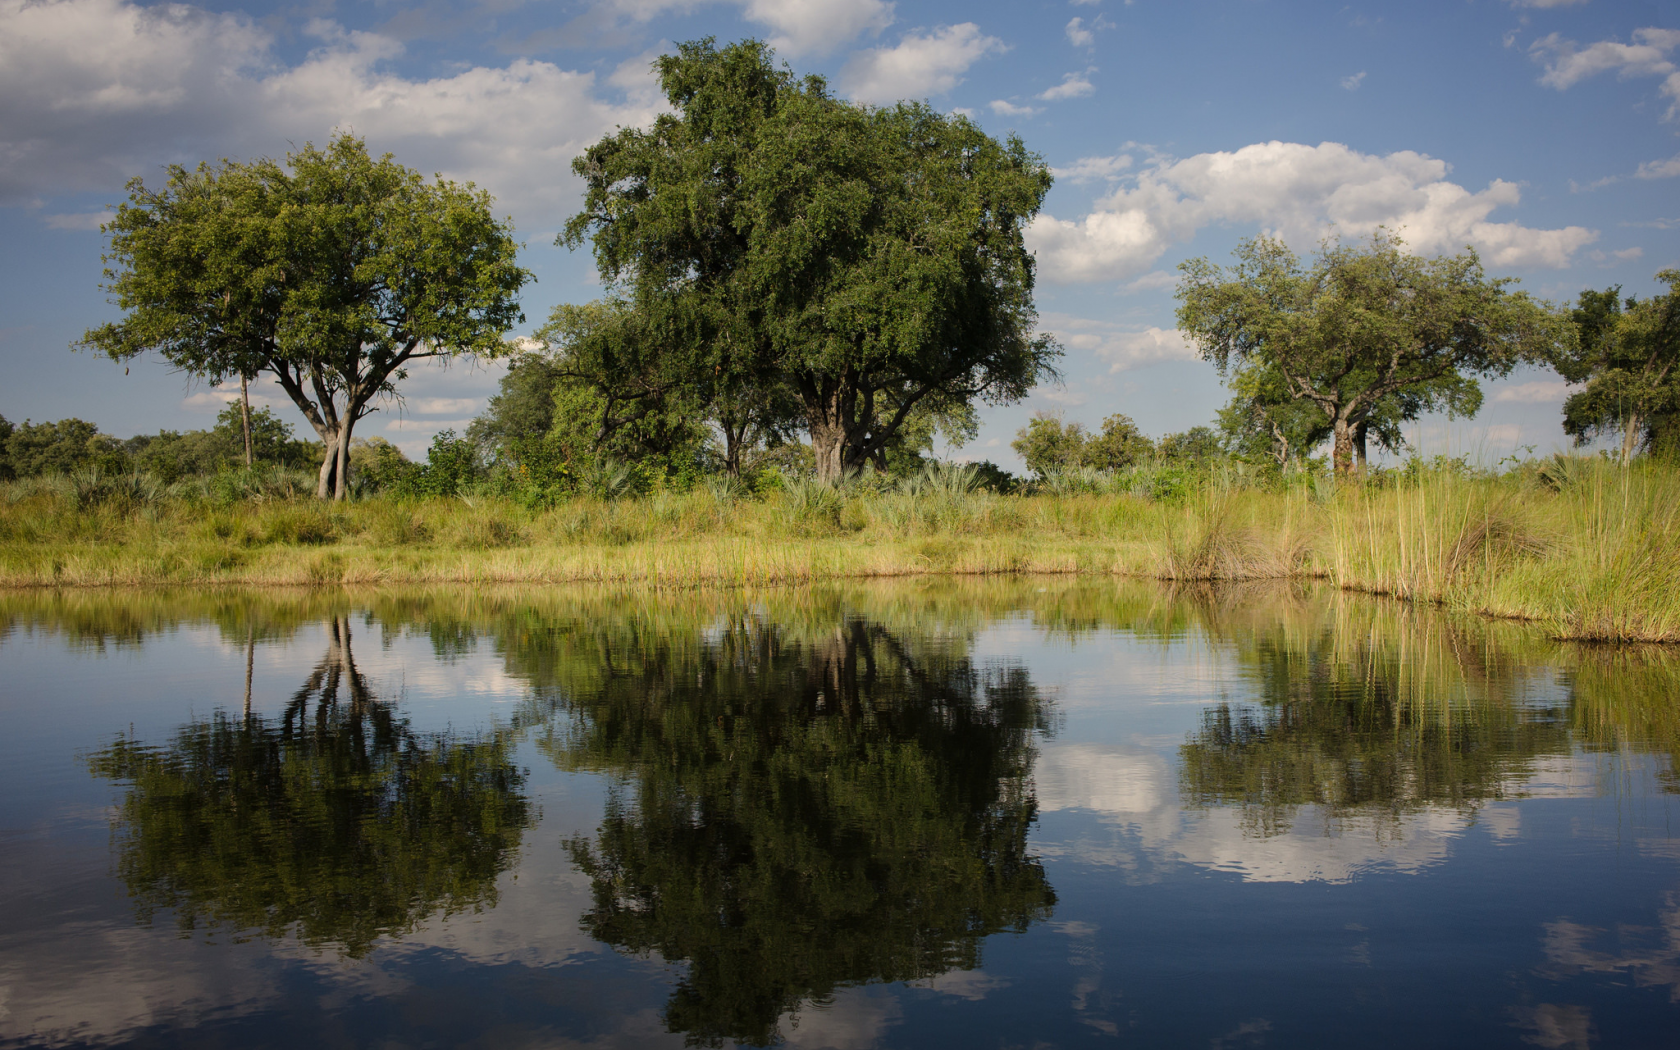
<point>1588,551</point>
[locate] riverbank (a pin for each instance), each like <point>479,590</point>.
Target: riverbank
<point>1589,552</point>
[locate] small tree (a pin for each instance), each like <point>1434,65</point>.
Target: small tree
<point>1628,357</point>
<point>1120,444</point>
<point>335,276</point>
<point>1047,444</point>
<point>1362,325</point>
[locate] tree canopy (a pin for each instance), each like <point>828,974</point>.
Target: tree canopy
<point>1367,332</point>
<point>334,273</point>
<point>1628,357</point>
<point>772,242</point>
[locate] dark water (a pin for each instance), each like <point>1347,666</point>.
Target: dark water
<point>1019,814</point>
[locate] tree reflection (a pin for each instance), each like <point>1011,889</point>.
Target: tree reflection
<point>1361,716</point>
<point>334,820</point>
<point>801,805</point>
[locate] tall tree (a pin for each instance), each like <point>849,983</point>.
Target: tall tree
<point>334,273</point>
<point>1628,357</point>
<point>871,259</point>
<point>1362,325</point>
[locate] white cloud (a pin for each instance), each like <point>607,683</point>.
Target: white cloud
<point>924,63</point>
<point>1300,193</point>
<point>87,220</point>
<point>1078,35</point>
<point>1121,348</point>
<point>1545,3</point>
<point>1154,280</point>
<point>1535,392</point>
<point>1352,83</point>
<point>817,26</point>
<point>95,91</point>
<point>798,27</point>
<point>1085,169</point>
<point>1567,63</point>
<point>1005,108</point>
<point>1659,169</point>
<point>443,406</point>
<point>1073,85</point>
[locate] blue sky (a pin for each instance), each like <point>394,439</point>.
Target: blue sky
<point>1544,133</point>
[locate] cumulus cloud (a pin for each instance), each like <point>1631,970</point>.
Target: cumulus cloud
<point>1074,85</point>
<point>1535,392</point>
<point>924,63</point>
<point>1005,108</point>
<point>1121,347</point>
<point>1659,169</point>
<point>95,91</point>
<point>1078,35</point>
<point>1567,63</point>
<point>817,26</point>
<point>1088,169</point>
<point>1300,193</point>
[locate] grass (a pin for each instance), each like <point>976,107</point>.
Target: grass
<point>1584,548</point>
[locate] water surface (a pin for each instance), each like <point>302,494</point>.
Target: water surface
<point>941,813</point>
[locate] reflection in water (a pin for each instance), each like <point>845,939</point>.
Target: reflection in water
<point>338,824</point>
<point>1361,716</point>
<point>809,792</point>
<point>804,805</point>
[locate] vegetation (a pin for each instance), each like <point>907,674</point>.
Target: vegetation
<point>812,787</point>
<point>334,276</point>
<point>1629,360</point>
<point>1579,544</point>
<point>1368,334</point>
<point>777,253</point>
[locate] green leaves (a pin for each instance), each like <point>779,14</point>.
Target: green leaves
<point>770,235</point>
<point>333,273</point>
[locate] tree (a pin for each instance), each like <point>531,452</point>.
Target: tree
<point>1197,445</point>
<point>1048,445</point>
<point>341,824</point>
<point>765,232</point>
<point>1119,445</point>
<point>1626,356</point>
<point>334,275</point>
<point>61,447</point>
<point>1363,324</point>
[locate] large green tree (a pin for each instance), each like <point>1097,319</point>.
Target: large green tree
<point>1628,357</point>
<point>767,233</point>
<point>335,273</point>
<point>1364,327</point>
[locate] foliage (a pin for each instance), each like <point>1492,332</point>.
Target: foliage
<point>1362,326</point>
<point>768,234</point>
<point>1049,445</point>
<point>808,804</point>
<point>1197,446</point>
<point>33,449</point>
<point>334,276</point>
<point>339,825</point>
<point>1120,444</point>
<point>1628,357</point>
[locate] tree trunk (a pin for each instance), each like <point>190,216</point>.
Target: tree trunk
<point>1359,446</point>
<point>342,490</point>
<point>1630,438</point>
<point>245,416</point>
<point>1342,455</point>
<point>329,464</point>
<point>828,445</point>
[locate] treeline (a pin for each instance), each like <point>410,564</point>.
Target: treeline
<point>69,446</point>
<point>797,285</point>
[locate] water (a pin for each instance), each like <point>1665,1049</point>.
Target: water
<point>948,813</point>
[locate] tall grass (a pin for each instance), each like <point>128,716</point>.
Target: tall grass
<point>1584,547</point>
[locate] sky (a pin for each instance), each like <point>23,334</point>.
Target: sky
<point>1543,133</point>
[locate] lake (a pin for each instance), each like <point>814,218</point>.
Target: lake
<point>948,812</point>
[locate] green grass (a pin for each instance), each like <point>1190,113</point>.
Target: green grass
<point>1584,548</point>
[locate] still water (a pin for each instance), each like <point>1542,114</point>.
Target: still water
<point>951,813</point>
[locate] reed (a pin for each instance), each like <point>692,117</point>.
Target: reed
<point>1584,548</point>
